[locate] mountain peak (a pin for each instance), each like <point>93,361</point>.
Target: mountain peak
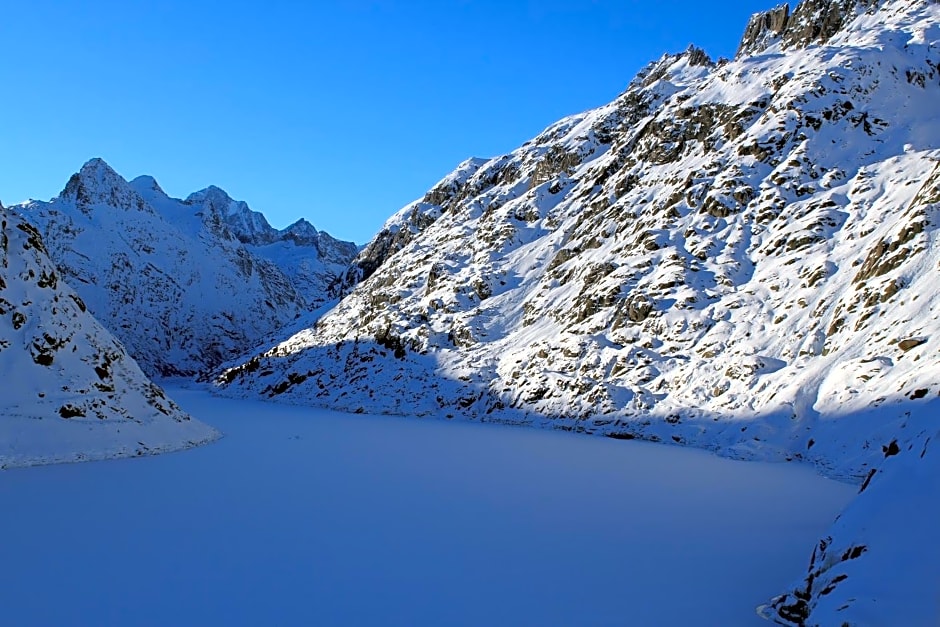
<point>97,163</point>
<point>763,29</point>
<point>211,194</point>
<point>98,184</point>
<point>216,191</point>
<point>145,182</point>
<point>221,213</point>
<point>301,233</point>
<point>697,56</point>
<point>97,168</point>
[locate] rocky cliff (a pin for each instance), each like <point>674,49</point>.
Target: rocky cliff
<point>812,22</point>
<point>409,222</point>
<point>70,392</point>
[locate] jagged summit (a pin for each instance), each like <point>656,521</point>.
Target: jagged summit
<point>224,214</point>
<point>763,29</point>
<point>660,77</point>
<point>98,184</point>
<point>97,164</point>
<point>697,56</point>
<point>235,219</point>
<point>301,233</point>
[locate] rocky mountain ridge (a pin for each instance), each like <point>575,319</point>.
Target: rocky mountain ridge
<point>71,392</point>
<point>217,208</point>
<point>184,284</point>
<point>738,255</point>
<point>718,238</point>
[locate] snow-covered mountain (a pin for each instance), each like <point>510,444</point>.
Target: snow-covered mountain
<point>184,284</point>
<point>740,255</point>
<point>70,391</point>
<point>313,260</point>
<point>752,238</point>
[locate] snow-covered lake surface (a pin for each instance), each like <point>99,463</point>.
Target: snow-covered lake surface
<point>304,517</point>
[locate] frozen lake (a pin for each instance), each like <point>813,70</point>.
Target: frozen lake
<point>305,517</point>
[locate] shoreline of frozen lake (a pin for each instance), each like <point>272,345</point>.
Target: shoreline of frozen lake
<point>304,516</point>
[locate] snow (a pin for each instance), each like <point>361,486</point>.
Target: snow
<point>776,215</point>
<point>69,390</point>
<point>877,564</point>
<point>300,516</point>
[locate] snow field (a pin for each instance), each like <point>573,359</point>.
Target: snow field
<point>302,516</point>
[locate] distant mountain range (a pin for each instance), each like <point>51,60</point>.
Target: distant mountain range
<point>184,284</point>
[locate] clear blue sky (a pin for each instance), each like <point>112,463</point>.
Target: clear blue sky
<point>341,112</point>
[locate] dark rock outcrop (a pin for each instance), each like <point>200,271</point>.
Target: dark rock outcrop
<point>811,22</point>
<point>763,29</point>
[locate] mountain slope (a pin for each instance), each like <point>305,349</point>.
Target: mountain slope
<point>741,241</point>
<point>187,284</point>
<point>877,565</point>
<point>70,391</point>
<point>738,255</point>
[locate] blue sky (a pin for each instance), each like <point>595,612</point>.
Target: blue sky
<point>340,112</point>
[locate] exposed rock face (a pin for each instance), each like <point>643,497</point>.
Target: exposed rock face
<point>228,217</point>
<point>98,184</point>
<point>70,392</point>
<point>861,570</point>
<point>185,285</point>
<point>816,21</point>
<point>763,29</point>
<point>812,22</point>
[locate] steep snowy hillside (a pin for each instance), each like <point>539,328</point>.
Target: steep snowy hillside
<point>722,243</point>
<point>70,392</point>
<point>878,563</point>
<point>738,255</point>
<point>187,284</point>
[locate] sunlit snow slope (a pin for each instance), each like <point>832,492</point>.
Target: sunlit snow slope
<point>69,390</point>
<point>734,255</point>
<point>739,255</point>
